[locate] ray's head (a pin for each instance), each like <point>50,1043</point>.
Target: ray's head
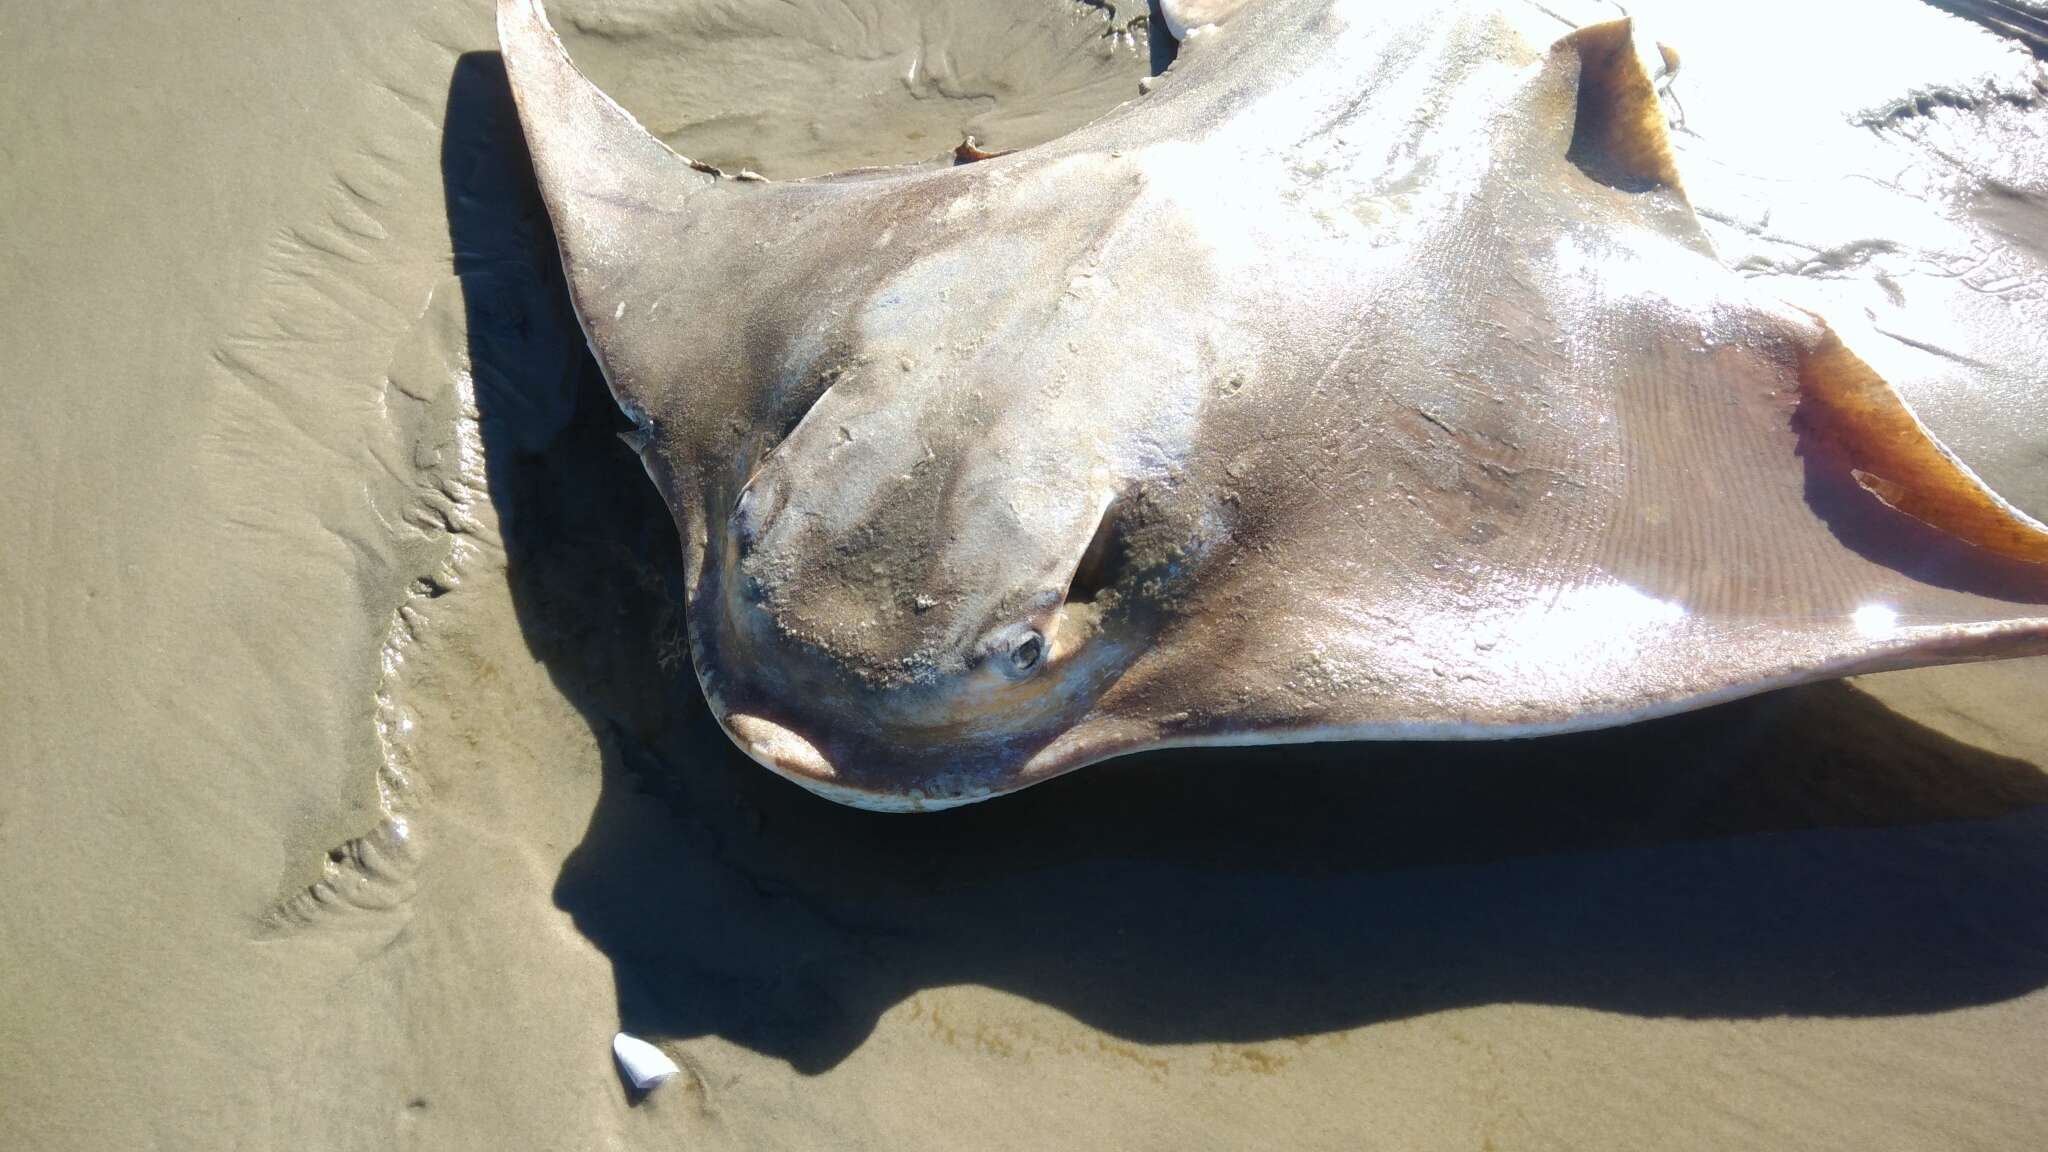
<point>910,601</point>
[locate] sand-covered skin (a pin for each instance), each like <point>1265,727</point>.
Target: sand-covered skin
<point>316,522</point>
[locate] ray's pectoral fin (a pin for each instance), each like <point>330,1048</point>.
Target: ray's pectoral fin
<point>1772,513</point>
<point>670,262</point>
<point>1710,497</point>
<point>622,203</point>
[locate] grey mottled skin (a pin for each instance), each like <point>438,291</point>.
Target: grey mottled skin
<point>1338,388</point>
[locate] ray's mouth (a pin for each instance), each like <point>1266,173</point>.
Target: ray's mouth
<point>790,755</point>
<point>945,769</point>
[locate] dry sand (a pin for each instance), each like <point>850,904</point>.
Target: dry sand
<point>353,789</point>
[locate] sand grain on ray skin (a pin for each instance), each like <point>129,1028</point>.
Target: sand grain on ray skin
<point>1805,920</point>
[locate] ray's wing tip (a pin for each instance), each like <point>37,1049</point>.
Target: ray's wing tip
<point>527,41</point>
<point>565,114</point>
<point>519,20</point>
<point>2015,638</point>
<point>511,13</point>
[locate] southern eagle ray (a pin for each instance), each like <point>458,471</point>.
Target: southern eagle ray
<point>1369,378</point>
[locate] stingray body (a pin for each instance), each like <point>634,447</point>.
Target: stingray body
<point>1371,378</point>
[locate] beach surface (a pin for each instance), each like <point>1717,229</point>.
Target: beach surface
<point>354,788</point>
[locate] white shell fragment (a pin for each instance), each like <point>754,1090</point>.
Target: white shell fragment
<point>646,1066</point>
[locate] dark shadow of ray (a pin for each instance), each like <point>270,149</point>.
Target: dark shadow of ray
<point>1807,852</point>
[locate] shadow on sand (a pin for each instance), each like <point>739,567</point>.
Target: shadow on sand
<point>1806,852</point>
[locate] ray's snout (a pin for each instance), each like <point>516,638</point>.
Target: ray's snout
<point>897,653</point>
<point>929,564</point>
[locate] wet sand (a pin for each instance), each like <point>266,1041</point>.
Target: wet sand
<point>356,789</point>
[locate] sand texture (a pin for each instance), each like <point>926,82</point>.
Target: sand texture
<point>354,789</point>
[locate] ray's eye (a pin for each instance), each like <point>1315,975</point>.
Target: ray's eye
<point>1026,653</point>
